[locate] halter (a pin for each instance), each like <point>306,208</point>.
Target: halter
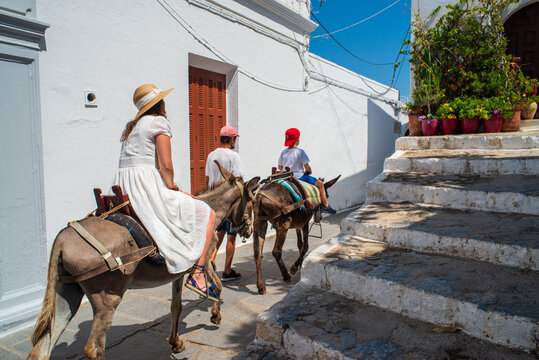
<point>246,218</point>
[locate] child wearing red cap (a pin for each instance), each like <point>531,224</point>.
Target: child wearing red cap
<point>297,160</point>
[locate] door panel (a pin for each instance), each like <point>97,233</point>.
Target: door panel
<point>522,30</point>
<point>22,235</point>
<point>207,115</point>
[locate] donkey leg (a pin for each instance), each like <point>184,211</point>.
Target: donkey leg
<point>303,249</point>
<point>68,299</point>
<point>176,309</point>
<point>294,267</point>
<point>104,304</point>
<point>216,307</point>
<point>278,251</point>
<point>259,236</point>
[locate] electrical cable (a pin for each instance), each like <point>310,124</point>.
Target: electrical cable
<point>345,49</point>
<point>359,22</point>
<point>216,52</point>
<point>320,2</point>
<point>301,51</point>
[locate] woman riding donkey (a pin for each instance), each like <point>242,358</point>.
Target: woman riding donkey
<point>181,226</point>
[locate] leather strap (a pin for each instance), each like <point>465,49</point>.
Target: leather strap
<point>284,209</point>
<point>111,262</point>
<point>125,260</point>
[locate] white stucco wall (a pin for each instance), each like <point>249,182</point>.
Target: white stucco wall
<point>113,47</point>
<point>425,7</point>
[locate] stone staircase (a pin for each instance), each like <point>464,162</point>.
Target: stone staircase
<point>442,261</point>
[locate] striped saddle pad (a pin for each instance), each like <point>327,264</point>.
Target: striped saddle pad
<point>313,195</point>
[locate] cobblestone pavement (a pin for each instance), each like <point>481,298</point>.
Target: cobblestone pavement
<point>142,322</point>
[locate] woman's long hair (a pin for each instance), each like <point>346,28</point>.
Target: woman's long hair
<point>158,109</point>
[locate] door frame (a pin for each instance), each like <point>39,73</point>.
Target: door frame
<point>231,88</point>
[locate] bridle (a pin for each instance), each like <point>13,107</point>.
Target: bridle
<point>246,221</point>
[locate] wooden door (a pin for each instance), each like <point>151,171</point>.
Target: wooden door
<point>207,115</point>
<point>522,30</point>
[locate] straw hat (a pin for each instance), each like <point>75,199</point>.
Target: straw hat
<point>146,96</point>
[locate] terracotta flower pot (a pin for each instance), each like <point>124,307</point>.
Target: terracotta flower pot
<point>414,125</point>
<point>470,125</point>
<point>430,126</point>
<point>529,113</point>
<point>494,124</point>
<point>449,126</point>
<point>513,123</point>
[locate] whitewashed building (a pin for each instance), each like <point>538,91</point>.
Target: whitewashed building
<point>246,63</point>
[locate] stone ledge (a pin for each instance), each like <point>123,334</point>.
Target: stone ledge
<point>510,239</point>
<point>502,193</point>
<point>490,302</point>
<point>317,324</point>
<point>470,162</point>
<point>501,141</point>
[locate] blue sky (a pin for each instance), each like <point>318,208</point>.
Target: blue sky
<point>376,40</point>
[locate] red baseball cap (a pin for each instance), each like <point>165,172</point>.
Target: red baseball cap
<point>291,135</point>
<point>228,131</point>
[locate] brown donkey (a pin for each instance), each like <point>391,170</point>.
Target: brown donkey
<point>267,207</point>
<point>232,199</point>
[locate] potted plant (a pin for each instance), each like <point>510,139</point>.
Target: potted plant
<point>469,111</point>
<point>448,119</point>
<point>530,107</point>
<point>413,111</point>
<point>429,124</point>
<point>497,107</point>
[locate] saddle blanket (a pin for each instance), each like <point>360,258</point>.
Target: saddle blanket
<point>313,195</point>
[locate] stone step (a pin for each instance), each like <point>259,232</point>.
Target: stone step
<point>510,239</point>
<point>503,193</point>
<point>473,162</point>
<point>500,141</point>
<point>312,323</point>
<point>491,302</point>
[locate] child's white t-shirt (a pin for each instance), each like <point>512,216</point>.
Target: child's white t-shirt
<point>295,159</point>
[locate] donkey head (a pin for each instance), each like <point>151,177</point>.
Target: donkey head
<point>240,213</point>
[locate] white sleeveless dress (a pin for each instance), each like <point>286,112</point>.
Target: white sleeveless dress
<point>176,221</point>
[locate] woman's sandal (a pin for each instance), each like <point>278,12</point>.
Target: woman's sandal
<point>191,284</point>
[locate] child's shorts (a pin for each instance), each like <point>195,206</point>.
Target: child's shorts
<point>226,227</point>
<point>308,179</point>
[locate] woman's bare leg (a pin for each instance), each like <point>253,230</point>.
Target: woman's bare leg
<point>198,276</point>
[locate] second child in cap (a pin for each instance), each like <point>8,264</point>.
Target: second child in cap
<point>231,161</point>
<point>297,160</point>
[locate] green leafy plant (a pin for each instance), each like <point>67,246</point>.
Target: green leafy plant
<point>467,108</point>
<point>446,111</point>
<point>498,105</point>
<point>464,54</point>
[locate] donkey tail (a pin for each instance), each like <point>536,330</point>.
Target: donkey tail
<point>45,321</point>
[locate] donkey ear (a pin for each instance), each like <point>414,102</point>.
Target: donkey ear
<point>252,183</point>
<point>227,175</point>
<point>331,182</point>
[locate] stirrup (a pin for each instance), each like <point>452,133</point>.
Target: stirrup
<point>191,284</point>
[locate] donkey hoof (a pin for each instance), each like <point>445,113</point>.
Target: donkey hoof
<point>178,347</point>
<point>177,344</point>
<point>216,319</point>
<point>293,269</point>
<point>262,290</point>
<point>287,278</point>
